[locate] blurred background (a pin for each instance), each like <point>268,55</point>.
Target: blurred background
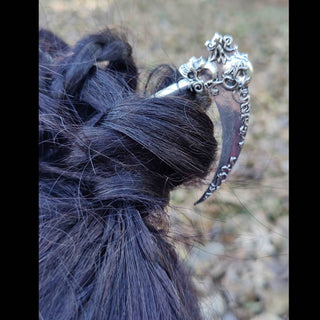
<point>236,242</point>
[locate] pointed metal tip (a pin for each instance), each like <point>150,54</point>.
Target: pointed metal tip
<point>205,196</point>
<point>197,202</point>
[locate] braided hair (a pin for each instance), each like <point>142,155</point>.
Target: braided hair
<point>108,158</point>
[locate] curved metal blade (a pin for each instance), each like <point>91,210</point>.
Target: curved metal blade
<point>232,98</point>
<point>234,126</point>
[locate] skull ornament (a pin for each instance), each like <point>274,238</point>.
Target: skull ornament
<point>200,73</point>
<point>237,71</point>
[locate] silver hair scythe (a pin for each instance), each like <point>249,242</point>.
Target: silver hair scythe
<point>225,75</point>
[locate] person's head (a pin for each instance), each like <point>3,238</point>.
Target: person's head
<point>109,156</point>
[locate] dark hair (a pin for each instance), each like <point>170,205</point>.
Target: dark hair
<point>109,157</point>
